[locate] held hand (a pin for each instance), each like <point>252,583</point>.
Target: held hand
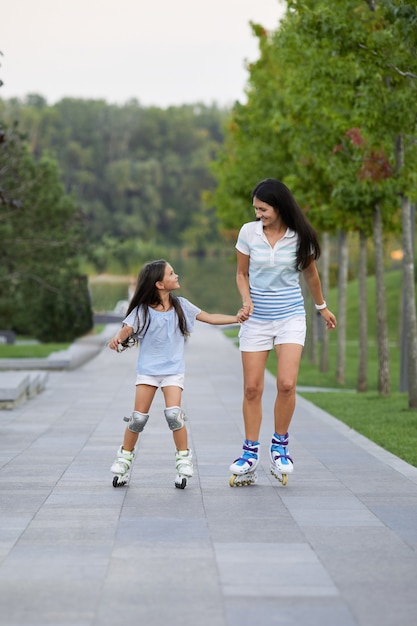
<point>246,310</point>
<point>242,315</point>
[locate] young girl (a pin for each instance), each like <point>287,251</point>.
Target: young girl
<point>160,322</point>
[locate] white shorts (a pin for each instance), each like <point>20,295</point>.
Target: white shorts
<point>170,380</point>
<point>258,335</point>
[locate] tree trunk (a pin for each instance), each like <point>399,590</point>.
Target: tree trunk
<point>408,372</point>
<point>362,382</point>
<point>381,310</point>
<point>409,302</point>
<point>325,281</point>
<point>341,308</point>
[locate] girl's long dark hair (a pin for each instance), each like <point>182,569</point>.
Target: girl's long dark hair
<point>146,294</point>
<point>277,195</point>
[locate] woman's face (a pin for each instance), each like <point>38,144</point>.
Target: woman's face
<point>265,212</point>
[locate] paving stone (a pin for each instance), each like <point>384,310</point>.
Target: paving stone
<point>336,546</point>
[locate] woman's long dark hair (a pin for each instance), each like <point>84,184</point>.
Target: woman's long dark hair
<point>146,294</point>
<point>277,195</point>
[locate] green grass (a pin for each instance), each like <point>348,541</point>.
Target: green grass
<point>385,420</point>
<point>33,350</point>
<point>30,351</point>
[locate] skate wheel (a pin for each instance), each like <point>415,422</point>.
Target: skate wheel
<point>181,484</point>
<point>243,480</point>
<point>282,478</point>
<point>120,481</point>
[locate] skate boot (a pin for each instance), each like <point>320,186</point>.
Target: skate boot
<point>121,467</point>
<point>244,467</point>
<point>281,462</point>
<point>184,467</point>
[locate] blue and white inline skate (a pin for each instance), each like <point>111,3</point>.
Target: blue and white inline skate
<point>281,462</point>
<point>122,466</point>
<point>184,467</point>
<point>243,468</point>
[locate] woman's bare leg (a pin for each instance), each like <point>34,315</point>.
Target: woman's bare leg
<point>253,385</point>
<point>288,357</point>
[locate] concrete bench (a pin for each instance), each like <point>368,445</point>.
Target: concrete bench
<point>18,386</point>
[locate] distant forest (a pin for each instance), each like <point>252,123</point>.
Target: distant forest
<point>133,172</point>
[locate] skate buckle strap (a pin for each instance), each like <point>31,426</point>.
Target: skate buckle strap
<point>279,448</point>
<point>250,452</point>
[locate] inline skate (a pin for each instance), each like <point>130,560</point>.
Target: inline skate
<point>122,466</point>
<point>243,468</point>
<point>184,467</point>
<point>281,462</point>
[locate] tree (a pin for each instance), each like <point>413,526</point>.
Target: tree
<point>42,240</point>
<point>340,69</point>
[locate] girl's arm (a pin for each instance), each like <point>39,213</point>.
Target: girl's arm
<point>218,318</point>
<point>242,282</point>
<point>121,336</point>
<point>312,279</point>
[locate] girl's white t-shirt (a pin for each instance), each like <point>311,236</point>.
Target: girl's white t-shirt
<point>161,345</point>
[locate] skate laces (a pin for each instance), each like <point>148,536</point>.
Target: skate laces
<point>250,453</point>
<point>279,451</point>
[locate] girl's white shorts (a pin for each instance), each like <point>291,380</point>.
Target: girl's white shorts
<point>170,380</point>
<point>258,335</point>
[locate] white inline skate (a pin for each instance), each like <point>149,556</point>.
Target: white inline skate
<point>184,467</point>
<point>281,462</point>
<point>122,466</point>
<point>244,467</point>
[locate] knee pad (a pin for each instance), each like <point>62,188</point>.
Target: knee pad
<point>137,421</point>
<point>175,417</point>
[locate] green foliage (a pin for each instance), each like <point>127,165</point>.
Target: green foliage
<point>42,237</point>
<point>137,173</point>
<point>65,314</point>
<point>330,69</point>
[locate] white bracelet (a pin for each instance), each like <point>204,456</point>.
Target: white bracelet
<point>320,307</point>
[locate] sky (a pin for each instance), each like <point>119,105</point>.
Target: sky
<point>159,52</point>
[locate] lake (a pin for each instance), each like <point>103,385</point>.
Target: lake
<point>209,283</point>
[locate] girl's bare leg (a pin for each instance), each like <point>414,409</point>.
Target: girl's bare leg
<point>172,396</point>
<point>143,400</point>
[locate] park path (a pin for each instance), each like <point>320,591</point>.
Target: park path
<point>336,547</point>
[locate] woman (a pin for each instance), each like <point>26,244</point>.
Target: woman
<point>272,253</point>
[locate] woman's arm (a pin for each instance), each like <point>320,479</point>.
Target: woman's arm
<point>121,336</point>
<point>242,282</point>
<point>312,279</point>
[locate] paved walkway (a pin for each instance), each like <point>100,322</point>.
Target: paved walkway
<point>336,547</point>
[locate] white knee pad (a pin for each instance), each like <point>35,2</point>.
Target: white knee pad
<point>175,417</point>
<point>137,421</point>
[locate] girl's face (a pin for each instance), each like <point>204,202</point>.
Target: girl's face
<point>264,212</point>
<point>170,280</point>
